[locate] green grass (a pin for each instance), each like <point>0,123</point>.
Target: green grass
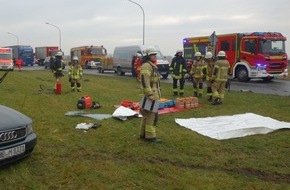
<point>112,156</point>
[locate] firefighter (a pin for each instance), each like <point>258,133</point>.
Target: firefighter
<point>57,67</point>
<point>207,73</point>
<point>219,78</point>
<point>178,69</point>
<point>75,73</point>
<point>196,73</point>
<point>151,90</point>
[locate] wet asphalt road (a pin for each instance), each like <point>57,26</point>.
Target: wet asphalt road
<point>274,87</point>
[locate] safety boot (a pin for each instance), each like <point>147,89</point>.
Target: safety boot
<point>181,94</point>
<point>209,99</point>
<point>195,94</point>
<point>174,93</point>
<point>217,101</point>
<point>153,140</point>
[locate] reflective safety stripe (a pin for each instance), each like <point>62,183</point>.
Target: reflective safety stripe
<point>150,131</point>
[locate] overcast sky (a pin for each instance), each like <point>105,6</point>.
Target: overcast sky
<point>119,22</point>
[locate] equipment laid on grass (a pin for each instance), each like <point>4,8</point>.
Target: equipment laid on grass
<point>86,102</point>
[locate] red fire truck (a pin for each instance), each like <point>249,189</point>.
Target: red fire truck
<point>251,55</point>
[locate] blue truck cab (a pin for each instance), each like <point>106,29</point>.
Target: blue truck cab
<point>24,52</point>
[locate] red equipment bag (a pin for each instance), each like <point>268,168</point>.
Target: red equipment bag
<point>85,102</point>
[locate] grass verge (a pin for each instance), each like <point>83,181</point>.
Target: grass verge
<point>112,156</point>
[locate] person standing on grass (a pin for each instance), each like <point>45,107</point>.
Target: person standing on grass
<point>196,73</point>
<point>75,73</point>
<point>19,63</point>
<point>207,71</point>
<point>219,78</point>
<point>57,67</point>
<point>178,69</point>
<point>151,91</point>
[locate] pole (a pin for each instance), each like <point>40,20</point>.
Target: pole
<point>15,37</point>
<point>143,19</point>
<point>58,31</point>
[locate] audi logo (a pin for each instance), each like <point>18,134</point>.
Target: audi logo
<point>7,136</point>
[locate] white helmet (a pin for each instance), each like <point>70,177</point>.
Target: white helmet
<point>221,54</point>
<point>208,55</point>
<point>151,51</point>
<point>59,53</point>
<point>197,54</point>
<point>179,51</point>
<point>75,58</point>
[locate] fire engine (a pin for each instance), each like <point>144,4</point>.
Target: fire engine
<point>251,55</point>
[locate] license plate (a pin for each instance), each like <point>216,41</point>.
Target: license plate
<point>12,152</point>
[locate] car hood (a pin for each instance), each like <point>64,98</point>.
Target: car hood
<point>10,118</point>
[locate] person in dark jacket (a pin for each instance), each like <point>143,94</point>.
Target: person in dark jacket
<point>178,69</point>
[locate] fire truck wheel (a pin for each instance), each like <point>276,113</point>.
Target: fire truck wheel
<point>242,74</point>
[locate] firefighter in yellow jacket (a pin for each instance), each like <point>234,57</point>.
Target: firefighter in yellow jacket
<point>219,78</point>
<point>207,71</point>
<point>75,73</point>
<point>178,69</point>
<point>151,90</point>
<point>196,73</point>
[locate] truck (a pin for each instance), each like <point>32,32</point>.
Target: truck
<point>124,57</point>
<point>92,57</point>
<point>45,51</point>
<point>6,62</point>
<point>24,52</point>
<point>251,55</point>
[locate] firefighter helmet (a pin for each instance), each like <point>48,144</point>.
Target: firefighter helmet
<point>75,58</point>
<point>59,54</point>
<point>208,55</point>
<point>221,54</point>
<point>179,51</point>
<point>151,51</point>
<point>197,54</point>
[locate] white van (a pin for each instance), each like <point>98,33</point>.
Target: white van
<point>123,60</point>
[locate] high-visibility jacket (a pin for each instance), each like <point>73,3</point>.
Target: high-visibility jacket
<point>196,69</point>
<point>221,70</point>
<point>178,67</point>
<point>207,70</point>
<point>75,72</point>
<point>150,80</point>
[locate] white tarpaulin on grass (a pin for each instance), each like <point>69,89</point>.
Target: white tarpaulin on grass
<point>227,127</point>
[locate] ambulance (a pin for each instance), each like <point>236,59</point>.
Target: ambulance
<point>6,62</point>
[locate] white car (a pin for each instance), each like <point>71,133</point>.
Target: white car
<point>6,66</point>
<point>92,64</point>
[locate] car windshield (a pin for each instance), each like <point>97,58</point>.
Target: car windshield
<point>271,47</point>
<point>5,56</point>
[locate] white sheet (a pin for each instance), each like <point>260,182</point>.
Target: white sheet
<point>122,113</point>
<point>227,127</point>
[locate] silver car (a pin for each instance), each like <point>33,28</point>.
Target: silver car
<point>17,138</point>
